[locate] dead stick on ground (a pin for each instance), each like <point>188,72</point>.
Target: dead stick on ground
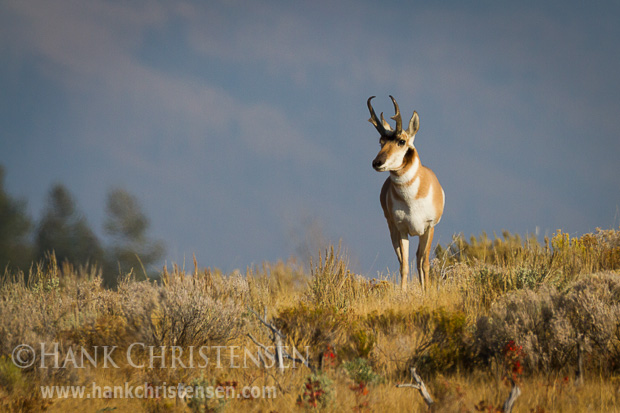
<point>512,397</point>
<point>420,386</point>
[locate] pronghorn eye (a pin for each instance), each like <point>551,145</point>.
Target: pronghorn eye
<point>402,142</point>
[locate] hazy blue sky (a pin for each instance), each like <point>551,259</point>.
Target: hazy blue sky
<point>240,125</point>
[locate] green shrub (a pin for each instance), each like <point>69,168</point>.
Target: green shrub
<point>316,327</point>
<point>363,342</point>
<point>11,376</point>
<point>360,371</point>
<point>448,347</point>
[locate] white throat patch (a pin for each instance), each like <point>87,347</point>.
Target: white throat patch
<point>408,175</point>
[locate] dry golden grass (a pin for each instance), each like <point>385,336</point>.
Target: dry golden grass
<point>494,310</point>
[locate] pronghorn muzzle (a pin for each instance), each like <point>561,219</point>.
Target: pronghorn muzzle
<point>379,161</point>
<point>377,164</point>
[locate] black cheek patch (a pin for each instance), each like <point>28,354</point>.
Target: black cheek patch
<point>410,154</point>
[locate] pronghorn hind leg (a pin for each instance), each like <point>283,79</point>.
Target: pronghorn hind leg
<point>422,256</point>
<point>427,254</point>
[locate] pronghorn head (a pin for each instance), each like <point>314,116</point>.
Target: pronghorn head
<point>395,143</point>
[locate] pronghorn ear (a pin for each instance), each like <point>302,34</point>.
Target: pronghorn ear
<point>414,124</point>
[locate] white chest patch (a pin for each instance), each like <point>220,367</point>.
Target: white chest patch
<point>412,215</point>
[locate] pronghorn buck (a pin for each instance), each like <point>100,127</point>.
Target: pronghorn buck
<point>411,197</point>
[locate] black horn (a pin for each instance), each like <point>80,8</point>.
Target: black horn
<point>396,117</point>
<point>373,118</point>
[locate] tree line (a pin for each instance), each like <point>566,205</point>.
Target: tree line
<point>63,230</point>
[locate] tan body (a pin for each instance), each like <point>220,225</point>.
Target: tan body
<point>411,197</point>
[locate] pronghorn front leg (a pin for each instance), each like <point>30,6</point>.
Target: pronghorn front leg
<point>423,255</point>
<point>404,260</point>
<point>401,247</point>
<point>395,236</point>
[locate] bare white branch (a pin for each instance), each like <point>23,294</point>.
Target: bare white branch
<point>415,386</point>
<point>512,398</point>
<point>267,324</point>
<point>420,386</point>
<point>264,347</point>
<point>276,338</point>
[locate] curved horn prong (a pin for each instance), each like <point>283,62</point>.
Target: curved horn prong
<point>373,117</point>
<point>386,125</point>
<point>396,117</point>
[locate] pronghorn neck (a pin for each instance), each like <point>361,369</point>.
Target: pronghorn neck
<point>408,171</point>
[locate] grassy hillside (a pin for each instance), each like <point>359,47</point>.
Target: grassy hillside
<point>498,312</point>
